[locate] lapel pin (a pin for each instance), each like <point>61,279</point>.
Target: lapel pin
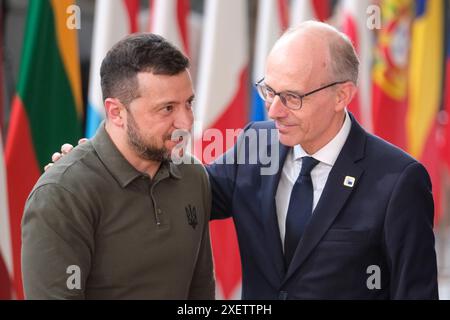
<point>349,181</point>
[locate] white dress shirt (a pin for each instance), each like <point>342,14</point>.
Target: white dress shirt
<point>327,156</point>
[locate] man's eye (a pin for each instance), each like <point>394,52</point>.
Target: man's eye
<point>291,97</point>
<point>168,108</point>
<point>190,103</point>
<point>270,93</point>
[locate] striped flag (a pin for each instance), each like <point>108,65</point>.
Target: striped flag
<point>222,93</point>
<point>354,24</point>
<point>46,111</point>
<point>302,10</point>
<point>425,89</point>
<point>6,258</point>
<point>2,23</point>
<point>169,19</point>
<point>6,269</point>
<point>445,151</point>
<point>390,71</point>
<point>272,20</point>
<point>113,20</point>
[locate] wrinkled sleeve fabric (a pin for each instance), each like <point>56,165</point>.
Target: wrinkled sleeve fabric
<point>57,244</point>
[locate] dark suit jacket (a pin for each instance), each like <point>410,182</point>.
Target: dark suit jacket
<point>382,226</point>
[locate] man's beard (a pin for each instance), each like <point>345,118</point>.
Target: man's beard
<point>146,151</point>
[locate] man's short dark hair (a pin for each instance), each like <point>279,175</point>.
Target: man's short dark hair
<point>140,52</point>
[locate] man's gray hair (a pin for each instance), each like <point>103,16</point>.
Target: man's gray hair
<point>344,60</point>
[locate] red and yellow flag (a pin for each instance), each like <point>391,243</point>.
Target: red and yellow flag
<point>390,71</point>
<point>407,78</point>
<point>445,148</point>
<point>425,89</point>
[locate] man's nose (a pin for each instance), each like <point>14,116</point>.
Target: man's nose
<point>277,109</point>
<point>184,119</point>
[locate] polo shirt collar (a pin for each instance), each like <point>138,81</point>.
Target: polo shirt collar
<point>116,163</point>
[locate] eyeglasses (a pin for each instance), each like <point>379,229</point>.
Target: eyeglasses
<point>290,100</point>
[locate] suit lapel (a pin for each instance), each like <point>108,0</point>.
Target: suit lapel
<point>269,184</point>
<point>333,197</point>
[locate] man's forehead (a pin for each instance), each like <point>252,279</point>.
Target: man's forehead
<point>298,49</point>
<point>149,75</point>
<point>148,80</point>
<point>298,62</point>
<point>165,87</point>
<point>280,72</point>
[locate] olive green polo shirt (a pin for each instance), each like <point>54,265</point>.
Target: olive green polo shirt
<point>96,228</point>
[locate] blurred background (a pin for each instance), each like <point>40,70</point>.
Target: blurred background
<point>50,55</point>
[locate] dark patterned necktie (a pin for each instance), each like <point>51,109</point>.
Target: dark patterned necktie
<point>300,208</point>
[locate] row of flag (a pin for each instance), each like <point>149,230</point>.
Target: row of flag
<point>401,90</point>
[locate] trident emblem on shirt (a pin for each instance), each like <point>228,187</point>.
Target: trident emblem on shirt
<point>191,213</point>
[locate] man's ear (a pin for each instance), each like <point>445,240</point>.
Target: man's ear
<point>345,94</point>
<point>115,111</point>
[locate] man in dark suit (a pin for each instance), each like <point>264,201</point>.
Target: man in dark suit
<point>347,215</point>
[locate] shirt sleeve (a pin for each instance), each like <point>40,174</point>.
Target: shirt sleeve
<point>57,244</point>
<point>203,283</point>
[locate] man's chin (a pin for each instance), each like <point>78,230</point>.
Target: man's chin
<point>287,140</point>
<point>175,152</point>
